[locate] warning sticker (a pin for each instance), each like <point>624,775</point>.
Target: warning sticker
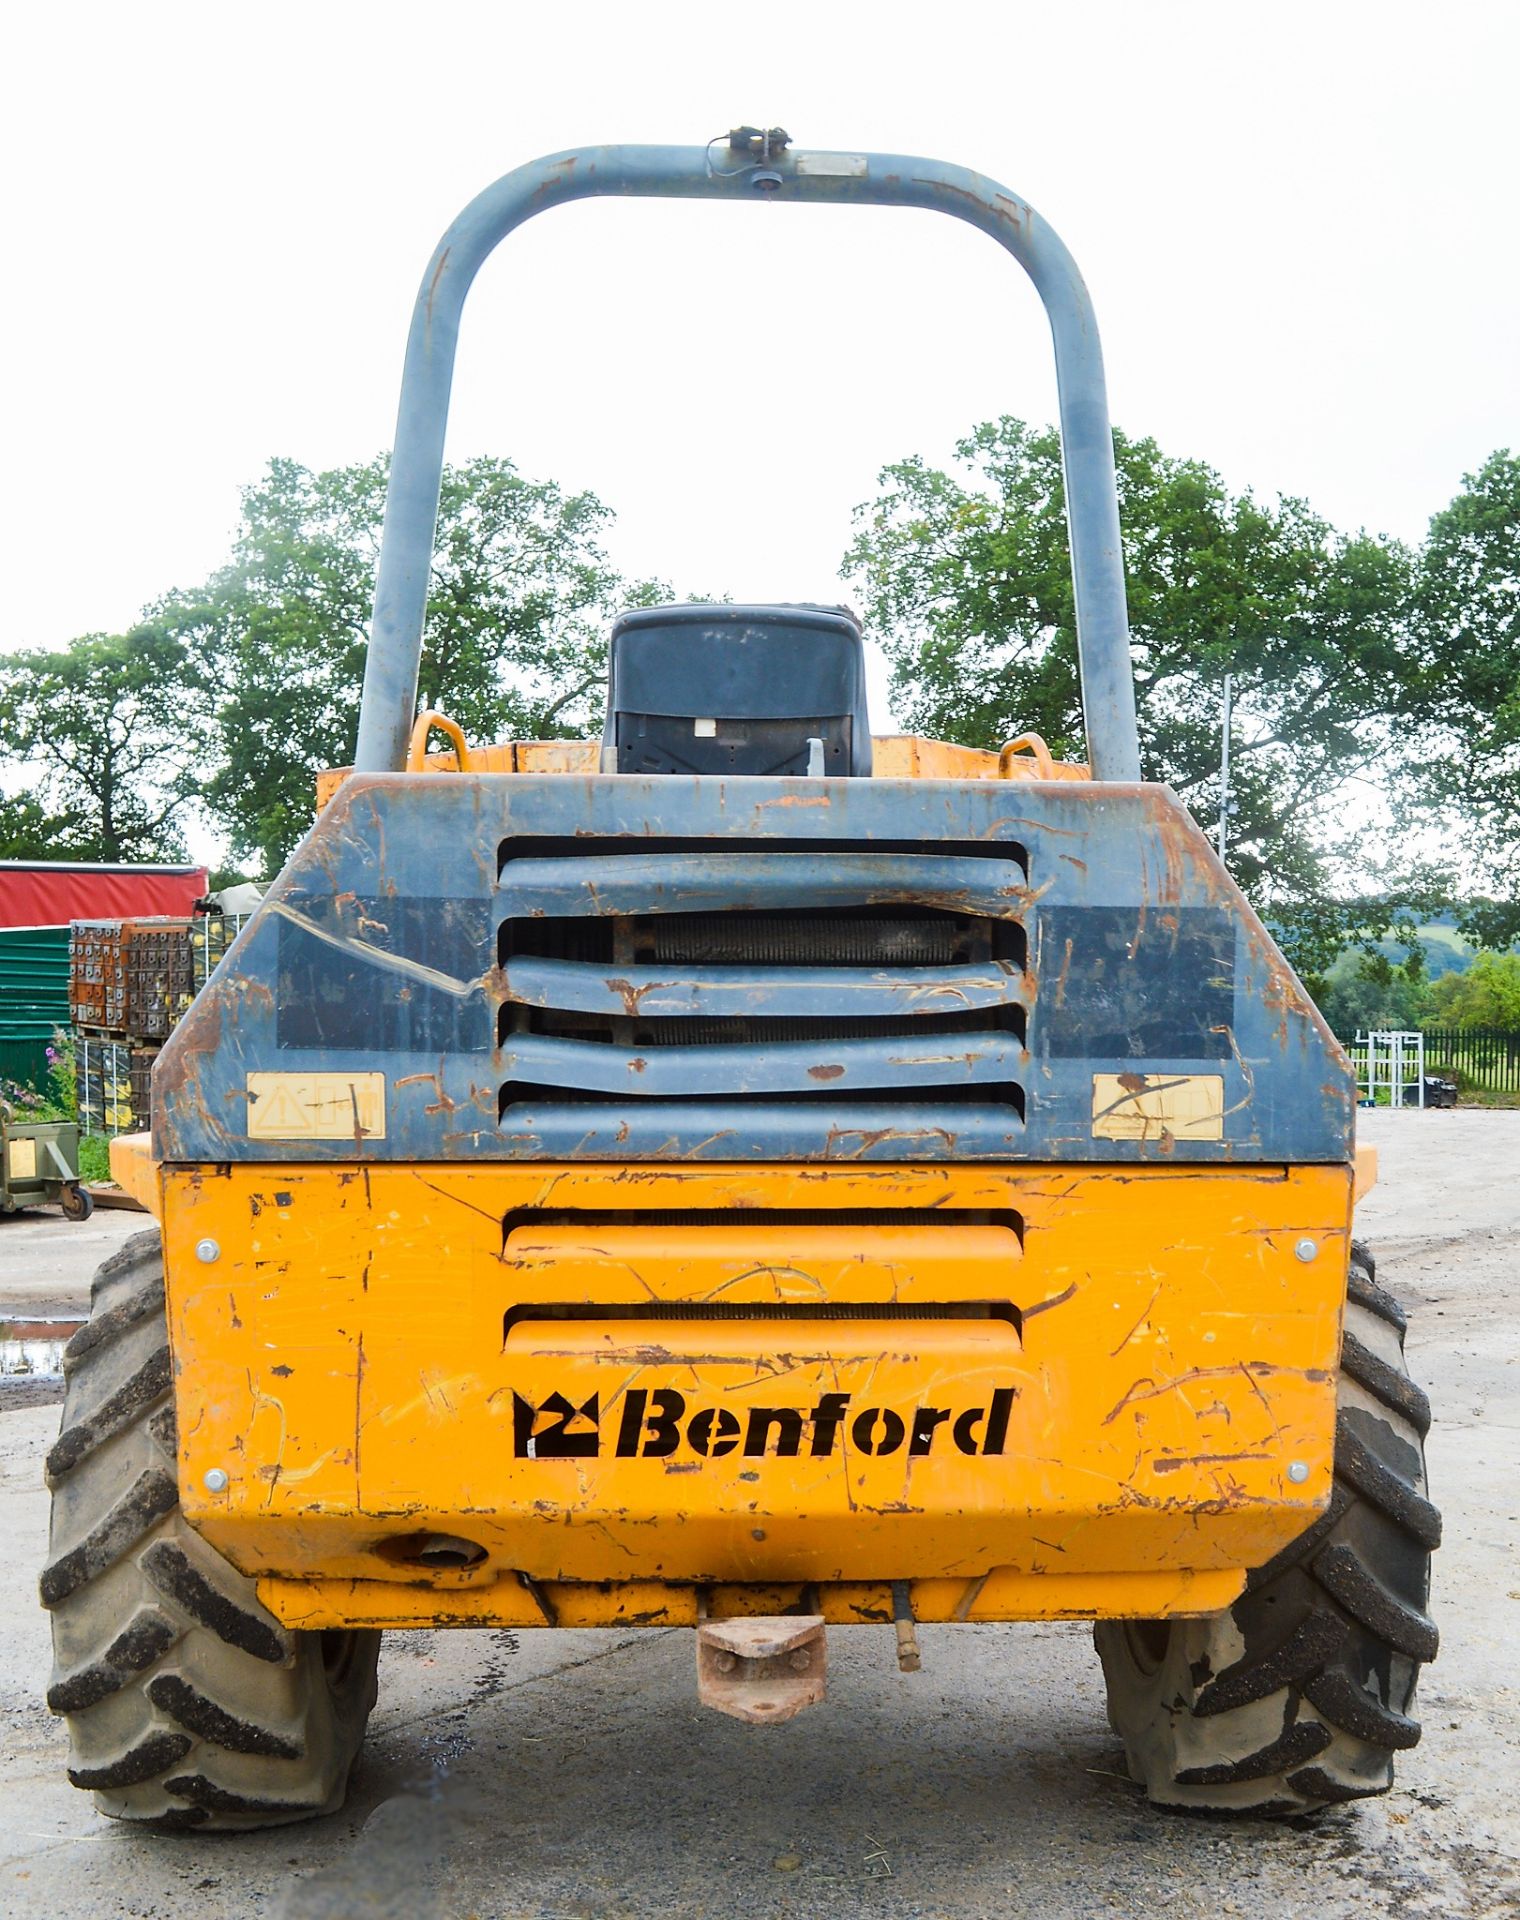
<point>1150,1106</point>
<point>23,1159</point>
<point>316,1106</point>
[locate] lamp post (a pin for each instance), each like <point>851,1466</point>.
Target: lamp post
<point>1224,768</point>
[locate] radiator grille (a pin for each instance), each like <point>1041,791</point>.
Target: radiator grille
<point>715,988</point>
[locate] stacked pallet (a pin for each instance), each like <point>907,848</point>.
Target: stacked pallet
<point>140,1082</point>
<point>130,979</point>
<point>129,982</point>
<point>103,1082</point>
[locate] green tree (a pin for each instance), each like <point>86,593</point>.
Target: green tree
<point>1372,994</point>
<point>1468,599</point>
<point>104,728</point>
<point>1486,995</point>
<point>966,579</point>
<point>515,646</point>
<point>29,832</point>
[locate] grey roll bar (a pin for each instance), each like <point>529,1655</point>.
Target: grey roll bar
<point>781,173</point>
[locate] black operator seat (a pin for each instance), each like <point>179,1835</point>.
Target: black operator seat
<point>737,690</point>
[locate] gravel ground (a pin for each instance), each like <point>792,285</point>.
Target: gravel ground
<point>46,1261</point>
<point>573,1775</point>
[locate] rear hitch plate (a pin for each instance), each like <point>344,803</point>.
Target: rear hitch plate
<point>764,1669</point>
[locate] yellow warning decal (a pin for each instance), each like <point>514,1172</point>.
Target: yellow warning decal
<point>316,1106</point>
<point>23,1157</point>
<point>1150,1106</point>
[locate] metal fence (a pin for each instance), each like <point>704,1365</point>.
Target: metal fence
<point>1486,1059</point>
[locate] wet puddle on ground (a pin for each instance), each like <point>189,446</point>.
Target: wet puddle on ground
<point>33,1349</point>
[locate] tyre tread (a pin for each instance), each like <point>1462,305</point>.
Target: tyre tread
<point>139,1763</point>
<point>1343,1574</point>
<point>150,1498</point>
<point>1334,1624</point>
<point>1355,1711</point>
<point>201,1711</point>
<point>125,1406</point>
<point>145,1639</point>
<point>106,1328</point>
<point>1313,1641</point>
<point>200,1715</point>
<point>1365,1291</point>
<point>1386,1383</point>
<point>1292,1747</point>
<point>1385,1487</point>
<point>179,1579</point>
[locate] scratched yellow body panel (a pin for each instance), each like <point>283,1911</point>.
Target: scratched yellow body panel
<point>470,1599</point>
<point>895,756</point>
<point>375,1353</point>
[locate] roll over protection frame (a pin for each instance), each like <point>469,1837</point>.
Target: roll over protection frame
<point>780,173</point>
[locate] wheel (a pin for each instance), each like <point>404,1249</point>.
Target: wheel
<point>1301,1693</point>
<point>188,1704</point>
<point>78,1202</point>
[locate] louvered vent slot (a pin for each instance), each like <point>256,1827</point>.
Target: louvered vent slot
<point>745,989</point>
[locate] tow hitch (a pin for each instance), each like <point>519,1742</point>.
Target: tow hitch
<point>764,1669</point>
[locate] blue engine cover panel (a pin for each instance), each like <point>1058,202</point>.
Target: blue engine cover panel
<point>615,967</point>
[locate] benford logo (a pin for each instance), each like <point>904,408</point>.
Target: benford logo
<point>658,1421</point>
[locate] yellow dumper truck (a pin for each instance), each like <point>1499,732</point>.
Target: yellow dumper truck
<point>748,1175</point>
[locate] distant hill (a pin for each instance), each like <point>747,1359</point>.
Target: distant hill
<point>1444,950</point>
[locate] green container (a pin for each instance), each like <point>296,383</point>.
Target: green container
<point>34,1000</point>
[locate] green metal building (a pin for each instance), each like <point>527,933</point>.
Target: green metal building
<point>34,999</point>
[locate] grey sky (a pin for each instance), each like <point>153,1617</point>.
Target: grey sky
<point>1297,222</point>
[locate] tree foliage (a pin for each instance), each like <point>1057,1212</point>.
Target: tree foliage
<point>1370,992</point>
<point>515,644</point>
<point>1467,605</point>
<point>1486,995</point>
<point>29,832</point>
<point>104,727</point>
<point>966,577</point>
<point>1356,664</point>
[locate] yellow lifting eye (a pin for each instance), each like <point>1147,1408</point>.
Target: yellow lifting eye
<point>1027,746</point>
<point>422,726</point>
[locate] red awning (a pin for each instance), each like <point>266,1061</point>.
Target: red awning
<point>53,894</point>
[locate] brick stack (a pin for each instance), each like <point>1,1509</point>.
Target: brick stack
<point>160,976</point>
<point>95,974</point>
<point>131,979</point>
<point>129,982</point>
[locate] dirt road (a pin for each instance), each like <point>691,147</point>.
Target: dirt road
<point>559,1775</point>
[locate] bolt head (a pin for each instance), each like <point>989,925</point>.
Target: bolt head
<point>1298,1471</point>
<point>801,1659</point>
<point>206,1251</point>
<point>1306,1250</point>
<point>216,1481</point>
<point>725,1662</point>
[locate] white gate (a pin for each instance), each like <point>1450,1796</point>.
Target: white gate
<point>1390,1069</point>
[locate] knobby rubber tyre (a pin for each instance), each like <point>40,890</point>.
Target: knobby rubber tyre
<point>1301,1693</point>
<point>188,1704</point>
